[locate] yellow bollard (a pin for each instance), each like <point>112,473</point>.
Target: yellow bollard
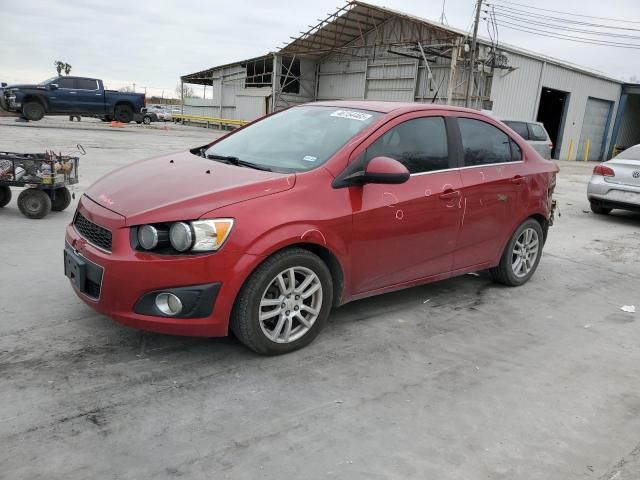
<point>570,154</point>
<point>586,149</point>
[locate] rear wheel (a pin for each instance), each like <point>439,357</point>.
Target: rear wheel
<point>123,113</point>
<point>146,120</point>
<point>521,256</point>
<point>284,303</point>
<point>62,199</point>
<point>33,110</point>
<point>5,196</point>
<point>34,203</point>
<point>600,210</point>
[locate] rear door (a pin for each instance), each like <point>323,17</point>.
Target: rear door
<point>90,98</point>
<point>493,187</point>
<point>407,232</point>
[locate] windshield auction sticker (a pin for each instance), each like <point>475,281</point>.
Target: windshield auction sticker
<point>361,117</point>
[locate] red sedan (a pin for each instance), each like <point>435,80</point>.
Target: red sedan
<point>266,229</point>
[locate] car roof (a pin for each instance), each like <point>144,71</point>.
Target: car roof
<point>520,120</point>
<point>389,107</point>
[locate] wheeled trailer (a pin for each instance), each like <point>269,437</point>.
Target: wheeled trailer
<point>45,178</point>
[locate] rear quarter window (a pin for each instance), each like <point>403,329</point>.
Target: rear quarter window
<point>537,133</point>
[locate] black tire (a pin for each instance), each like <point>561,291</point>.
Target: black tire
<point>62,199</point>
<point>5,196</point>
<point>504,272</point>
<point>33,110</point>
<point>146,120</point>
<point>34,203</point>
<point>123,113</point>
<point>600,210</point>
<point>244,321</point>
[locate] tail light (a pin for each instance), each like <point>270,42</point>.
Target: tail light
<point>144,99</point>
<point>550,146</point>
<point>604,171</point>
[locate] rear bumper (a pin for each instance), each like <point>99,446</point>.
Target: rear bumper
<point>130,280</point>
<point>613,195</point>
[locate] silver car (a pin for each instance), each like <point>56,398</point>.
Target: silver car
<point>535,135</point>
<point>616,183</point>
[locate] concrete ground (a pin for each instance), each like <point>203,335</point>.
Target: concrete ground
<point>461,379</point>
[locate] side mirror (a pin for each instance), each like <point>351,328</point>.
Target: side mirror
<point>53,86</point>
<point>3,84</point>
<point>385,170</point>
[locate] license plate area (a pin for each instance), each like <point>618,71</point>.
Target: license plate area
<point>84,275</point>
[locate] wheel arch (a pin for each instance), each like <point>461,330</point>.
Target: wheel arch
<point>38,98</point>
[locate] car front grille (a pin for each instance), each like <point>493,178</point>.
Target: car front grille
<point>95,234</point>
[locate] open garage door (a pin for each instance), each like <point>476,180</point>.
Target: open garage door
<point>594,128</point>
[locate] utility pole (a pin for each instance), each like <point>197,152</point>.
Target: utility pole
<point>467,98</point>
<point>134,87</point>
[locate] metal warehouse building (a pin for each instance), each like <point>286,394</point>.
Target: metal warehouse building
<point>364,51</point>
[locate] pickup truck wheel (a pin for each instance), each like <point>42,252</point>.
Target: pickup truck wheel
<point>146,120</point>
<point>5,196</point>
<point>34,203</point>
<point>62,199</point>
<point>33,110</point>
<point>284,303</point>
<point>123,113</point>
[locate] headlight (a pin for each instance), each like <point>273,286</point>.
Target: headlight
<point>210,234</point>
<point>148,237</point>
<point>180,236</point>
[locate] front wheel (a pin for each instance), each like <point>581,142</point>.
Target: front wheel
<point>521,255</point>
<point>33,110</point>
<point>146,120</point>
<point>284,303</point>
<point>34,203</point>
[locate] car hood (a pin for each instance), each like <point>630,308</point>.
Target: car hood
<point>181,186</point>
<point>26,85</point>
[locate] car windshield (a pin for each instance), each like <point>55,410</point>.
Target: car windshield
<point>48,81</point>
<point>297,139</point>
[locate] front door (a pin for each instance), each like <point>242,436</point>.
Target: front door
<point>62,99</point>
<point>407,232</point>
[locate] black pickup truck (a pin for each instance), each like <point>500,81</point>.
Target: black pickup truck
<point>67,95</point>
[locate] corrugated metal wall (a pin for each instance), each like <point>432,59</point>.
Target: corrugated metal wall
<point>516,95</point>
<point>629,133</point>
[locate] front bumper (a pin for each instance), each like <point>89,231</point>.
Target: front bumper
<point>130,278</point>
<point>613,195</point>
<point>8,102</point>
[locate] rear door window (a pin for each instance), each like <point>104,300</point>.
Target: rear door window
<point>419,144</point>
<point>520,128</point>
<point>484,144</point>
<point>537,133</point>
<point>86,84</point>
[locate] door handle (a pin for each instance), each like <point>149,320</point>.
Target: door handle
<point>73,93</point>
<point>449,194</point>
<point>518,180</point>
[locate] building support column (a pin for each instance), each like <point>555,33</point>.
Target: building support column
<point>275,79</point>
<point>452,71</point>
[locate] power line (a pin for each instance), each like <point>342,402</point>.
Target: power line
<point>568,13</point>
<point>562,27</point>
<point>559,19</point>
<point>551,34</point>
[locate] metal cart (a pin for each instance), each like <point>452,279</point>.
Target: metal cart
<point>44,177</point>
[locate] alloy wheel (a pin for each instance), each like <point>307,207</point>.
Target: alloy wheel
<point>525,252</point>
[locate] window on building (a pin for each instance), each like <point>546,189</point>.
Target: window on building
<point>259,73</point>
<point>290,76</point>
<point>419,144</point>
<point>484,144</point>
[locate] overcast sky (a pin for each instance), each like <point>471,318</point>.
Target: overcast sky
<point>152,43</point>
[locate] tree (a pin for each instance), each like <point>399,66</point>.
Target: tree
<point>62,67</point>
<point>187,90</point>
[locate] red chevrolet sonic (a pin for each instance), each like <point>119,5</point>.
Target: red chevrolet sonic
<point>264,230</point>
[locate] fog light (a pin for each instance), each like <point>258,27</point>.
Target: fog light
<point>169,304</point>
